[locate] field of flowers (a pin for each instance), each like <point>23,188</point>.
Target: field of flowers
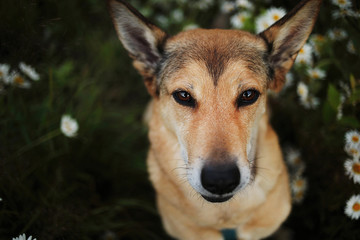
<point>72,141</point>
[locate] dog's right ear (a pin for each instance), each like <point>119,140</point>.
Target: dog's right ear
<point>143,40</point>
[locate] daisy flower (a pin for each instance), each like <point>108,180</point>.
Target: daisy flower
<point>4,72</point>
<point>352,168</point>
<point>177,15</point>
<point>305,55</point>
<point>352,209</point>
<point>191,26</point>
<point>342,3</point>
<point>289,80</point>
<point>317,41</point>
<point>19,81</point>
<point>227,7</point>
<point>268,18</point>
<point>352,138</point>
<point>163,21</point>
<point>69,126</point>
<point>29,71</point>
<point>302,90</point>
<point>298,189</point>
<point>262,23</point>
<point>310,102</point>
<point>343,12</point>
<point>339,113</point>
<point>353,151</point>
<point>238,20</point>
<point>350,47</point>
<point>204,4</point>
<point>316,73</point>
<point>294,162</point>
<point>275,14</point>
<point>23,237</point>
<point>337,34</point>
<point>244,4</point>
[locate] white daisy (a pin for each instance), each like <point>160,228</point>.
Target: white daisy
<point>238,20</point>
<point>305,55</point>
<point>310,102</point>
<point>69,126</point>
<point>23,237</point>
<point>4,73</point>
<point>163,21</point>
<point>339,113</point>
<point>18,80</point>
<point>353,151</point>
<point>29,71</point>
<point>342,3</point>
<point>227,7</point>
<point>316,73</point>
<point>177,15</point>
<point>289,80</point>
<point>343,12</point>
<point>204,4</point>
<point>302,90</point>
<point>298,189</point>
<point>275,14</point>
<point>350,47</point>
<point>244,4</point>
<point>337,34</point>
<point>262,23</point>
<point>352,138</point>
<point>268,18</point>
<point>352,208</point>
<point>191,26</point>
<point>352,169</point>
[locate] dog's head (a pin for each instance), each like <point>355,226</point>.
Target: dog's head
<point>211,86</point>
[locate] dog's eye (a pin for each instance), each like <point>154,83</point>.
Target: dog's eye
<point>184,98</point>
<point>247,97</point>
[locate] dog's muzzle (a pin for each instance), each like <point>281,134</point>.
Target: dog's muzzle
<point>220,180</point>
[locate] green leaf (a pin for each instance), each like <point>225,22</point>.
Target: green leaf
<point>333,97</point>
<point>349,121</point>
<point>329,113</point>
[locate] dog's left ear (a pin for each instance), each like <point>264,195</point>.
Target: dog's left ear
<point>287,36</point>
<point>143,40</point>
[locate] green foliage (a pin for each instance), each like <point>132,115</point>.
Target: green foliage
<point>95,185</point>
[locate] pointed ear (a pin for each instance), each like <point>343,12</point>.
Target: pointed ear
<point>287,36</point>
<point>143,40</point>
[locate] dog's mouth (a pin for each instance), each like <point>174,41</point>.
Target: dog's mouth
<point>218,199</point>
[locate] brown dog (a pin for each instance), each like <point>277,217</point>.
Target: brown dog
<point>214,160</point>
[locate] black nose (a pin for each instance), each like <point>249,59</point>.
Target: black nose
<point>220,178</point>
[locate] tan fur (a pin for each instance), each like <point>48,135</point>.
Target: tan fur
<point>264,204</point>
<point>215,67</point>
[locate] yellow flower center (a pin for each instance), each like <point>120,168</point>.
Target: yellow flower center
<point>315,75</point>
<point>1,74</point>
<point>68,127</point>
<point>299,183</point>
<point>355,139</point>
<point>356,168</point>
<point>356,207</point>
<point>341,2</point>
<point>354,151</point>
<point>19,80</point>
<point>301,51</point>
<point>276,17</point>
<point>320,38</point>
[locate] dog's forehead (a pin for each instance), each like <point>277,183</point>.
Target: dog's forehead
<point>216,49</point>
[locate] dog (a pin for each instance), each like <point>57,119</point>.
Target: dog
<point>214,159</point>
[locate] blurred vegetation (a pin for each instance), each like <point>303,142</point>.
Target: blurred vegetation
<point>95,186</point>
